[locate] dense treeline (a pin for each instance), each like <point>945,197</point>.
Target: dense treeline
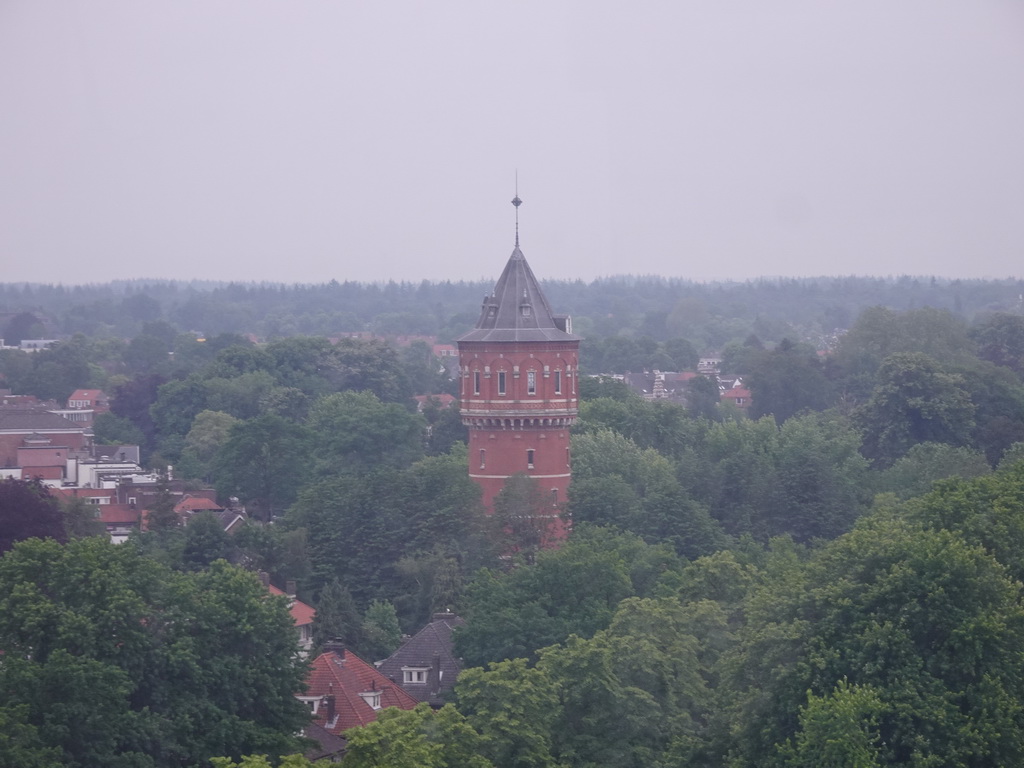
<point>708,314</point>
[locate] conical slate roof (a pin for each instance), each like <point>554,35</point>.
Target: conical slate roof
<point>517,309</point>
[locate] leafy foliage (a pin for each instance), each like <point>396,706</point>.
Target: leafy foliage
<point>117,661</point>
<point>28,510</point>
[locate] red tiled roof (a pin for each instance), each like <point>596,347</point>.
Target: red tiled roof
<point>301,612</point>
<point>444,400</point>
<point>115,514</point>
<point>197,504</point>
<point>86,394</point>
<point>345,675</point>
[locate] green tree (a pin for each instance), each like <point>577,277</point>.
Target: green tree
<point>929,621</point>
<point>209,433</point>
<point>118,661</point>
<point>205,541</point>
<point>524,517</point>
<point>629,693</point>
<point>787,380</point>
<point>616,483</point>
<point>1000,340</point>
<point>416,738</point>
<point>110,429</point>
<point>838,730</point>
<point>80,518</point>
<point>914,401</point>
<point>880,332</point>
<point>28,510</point>
<point>702,397</point>
<point>264,463</point>
<point>356,431</point>
<point>925,464</point>
<point>381,633</point>
<point>337,617</point>
<point>573,590</point>
<point>513,708</point>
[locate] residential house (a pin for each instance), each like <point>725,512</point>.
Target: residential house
<point>302,613</point>
<point>425,665</point>
<point>343,691</point>
<point>738,395</point>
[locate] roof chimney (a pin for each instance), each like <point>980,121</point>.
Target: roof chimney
<point>335,645</point>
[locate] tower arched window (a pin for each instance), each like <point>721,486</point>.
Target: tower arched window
<point>531,382</point>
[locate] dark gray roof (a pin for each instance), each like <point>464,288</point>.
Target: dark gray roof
<point>430,648</point>
<point>517,309</point>
<point>38,421</point>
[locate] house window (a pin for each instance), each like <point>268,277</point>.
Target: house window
<point>483,456</point>
<point>476,382</point>
<point>501,382</point>
<point>531,382</point>
<point>529,458</point>
<point>414,675</point>
<point>313,702</point>
<point>372,698</point>
<point>558,382</point>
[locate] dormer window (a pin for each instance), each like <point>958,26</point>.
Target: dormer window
<point>526,310</point>
<point>414,675</point>
<point>313,702</point>
<point>372,698</point>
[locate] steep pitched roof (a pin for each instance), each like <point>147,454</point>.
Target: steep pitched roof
<point>517,309</point>
<point>431,649</point>
<point>344,676</point>
<point>192,503</point>
<point>302,613</point>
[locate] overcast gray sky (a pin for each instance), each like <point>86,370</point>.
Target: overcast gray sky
<point>308,141</point>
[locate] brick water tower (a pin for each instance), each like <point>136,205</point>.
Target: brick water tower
<point>519,370</point>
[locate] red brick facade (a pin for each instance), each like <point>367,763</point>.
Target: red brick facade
<point>519,400</point>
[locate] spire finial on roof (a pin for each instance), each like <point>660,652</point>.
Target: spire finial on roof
<point>517,202</point>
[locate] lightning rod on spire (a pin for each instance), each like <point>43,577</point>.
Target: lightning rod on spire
<point>517,202</point>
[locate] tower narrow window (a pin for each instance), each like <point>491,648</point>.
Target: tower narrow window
<point>567,457</point>
<point>529,458</point>
<point>531,382</point>
<point>476,382</point>
<point>554,497</point>
<point>483,457</point>
<point>501,382</point>
<point>558,382</point>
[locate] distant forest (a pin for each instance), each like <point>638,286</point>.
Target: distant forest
<point>709,315</point>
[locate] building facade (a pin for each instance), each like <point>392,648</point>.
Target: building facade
<point>518,388</point>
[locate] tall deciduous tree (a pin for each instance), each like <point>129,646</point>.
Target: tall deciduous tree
<point>117,661</point>
<point>356,431</point>
<point>787,380</point>
<point>27,510</point>
<point>914,401</point>
<point>263,462</point>
<point>416,738</point>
